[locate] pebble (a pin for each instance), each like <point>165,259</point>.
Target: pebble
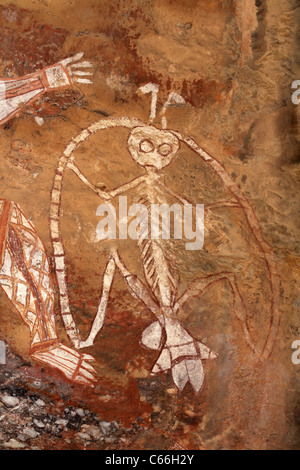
<point>39,120</point>
<point>14,444</point>
<point>84,435</point>
<point>172,391</point>
<point>39,424</point>
<point>61,422</point>
<point>31,433</point>
<point>105,427</point>
<point>40,402</point>
<point>80,412</point>
<point>10,401</point>
<point>94,432</point>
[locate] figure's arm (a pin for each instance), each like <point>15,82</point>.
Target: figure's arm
<point>106,194</point>
<point>173,193</point>
<point>207,206</point>
<point>216,205</point>
<point>127,186</point>
<point>75,169</point>
<point>17,92</point>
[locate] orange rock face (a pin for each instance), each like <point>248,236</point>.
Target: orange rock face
<point>131,341</point>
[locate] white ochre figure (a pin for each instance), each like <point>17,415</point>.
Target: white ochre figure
<point>179,351</point>
<point>18,92</point>
<point>154,149</point>
<point>24,267</point>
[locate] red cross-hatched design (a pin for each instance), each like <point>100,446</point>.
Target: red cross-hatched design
<point>31,293</point>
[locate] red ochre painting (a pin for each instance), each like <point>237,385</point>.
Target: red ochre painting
<point>148,243</point>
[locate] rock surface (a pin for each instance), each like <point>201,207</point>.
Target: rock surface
<point>233,62</point>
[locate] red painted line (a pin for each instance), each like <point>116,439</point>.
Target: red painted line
<point>4,228</point>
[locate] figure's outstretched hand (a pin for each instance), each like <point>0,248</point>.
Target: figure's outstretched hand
<point>75,366</point>
<point>74,64</point>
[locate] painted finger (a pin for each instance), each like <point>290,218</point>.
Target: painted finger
<point>80,73</point>
<point>83,381</point>
<point>87,367</point>
<point>88,357</point>
<point>86,375</point>
<point>84,64</point>
<point>82,80</point>
<point>72,59</point>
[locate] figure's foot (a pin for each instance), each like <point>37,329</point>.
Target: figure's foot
<point>186,368</point>
<point>75,366</point>
<point>181,354</point>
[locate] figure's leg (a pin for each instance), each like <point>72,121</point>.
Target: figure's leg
<point>198,287</point>
<point>137,288</point>
<point>100,316</point>
<point>180,352</point>
<point>25,278</point>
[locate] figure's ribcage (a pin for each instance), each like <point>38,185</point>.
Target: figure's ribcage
<point>25,277</point>
<point>159,275</point>
<point>159,269</point>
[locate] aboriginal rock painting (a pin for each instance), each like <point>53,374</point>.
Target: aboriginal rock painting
<point>26,280</point>
<point>25,275</point>
<point>179,352</point>
<point>18,92</point>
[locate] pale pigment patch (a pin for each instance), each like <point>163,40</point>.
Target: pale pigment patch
<point>6,267</point>
<point>21,293</point>
<point>57,77</point>
<point>2,352</point>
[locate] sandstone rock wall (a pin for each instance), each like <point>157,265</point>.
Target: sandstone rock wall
<point>233,62</point>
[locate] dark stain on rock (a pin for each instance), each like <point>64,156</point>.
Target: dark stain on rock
<point>288,131</point>
<point>33,46</point>
<point>201,92</point>
<point>259,45</point>
<point>247,151</point>
<point>136,70</point>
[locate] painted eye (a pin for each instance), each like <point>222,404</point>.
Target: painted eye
<point>165,149</point>
<point>146,146</point>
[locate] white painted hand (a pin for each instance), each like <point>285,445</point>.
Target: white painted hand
<point>73,66</point>
<point>75,366</point>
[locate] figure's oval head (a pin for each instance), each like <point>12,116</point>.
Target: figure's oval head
<point>151,147</point>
